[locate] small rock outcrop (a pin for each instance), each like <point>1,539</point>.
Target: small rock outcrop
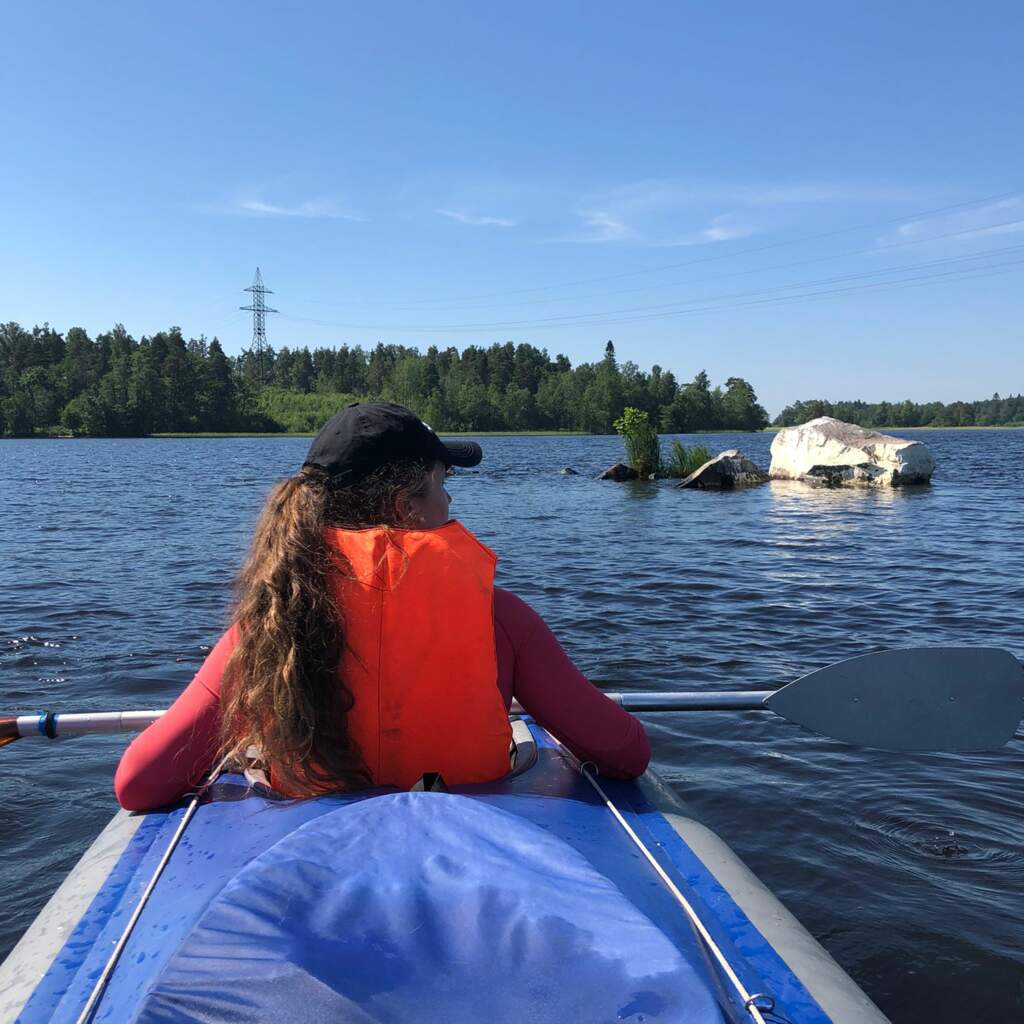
<point>620,471</point>
<point>568,471</point>
<point>724,472</point>
<point>830,453</point>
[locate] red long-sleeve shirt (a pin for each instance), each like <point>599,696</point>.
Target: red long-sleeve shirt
<point>172,755</point>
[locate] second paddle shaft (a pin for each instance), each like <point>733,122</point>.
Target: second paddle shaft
<point>81,723</point>
<point>721,700</point>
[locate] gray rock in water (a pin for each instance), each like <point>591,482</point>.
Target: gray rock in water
<point>839,476</point>
<point>831,453</point>
<point>568,471</point>
<point>724,472</point>
<point>620,471</point>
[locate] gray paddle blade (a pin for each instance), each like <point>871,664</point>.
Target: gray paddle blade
<point>930,698</point>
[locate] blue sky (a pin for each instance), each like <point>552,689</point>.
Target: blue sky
<point>825,198</point>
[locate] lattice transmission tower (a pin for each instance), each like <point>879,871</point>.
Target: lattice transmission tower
<point>259,310</point>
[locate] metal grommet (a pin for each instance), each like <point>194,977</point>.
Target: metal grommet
<point>768,1006</point>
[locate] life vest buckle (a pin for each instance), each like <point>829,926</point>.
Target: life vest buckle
<point>430,782</point>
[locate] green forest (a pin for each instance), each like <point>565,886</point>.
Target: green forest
<point>116,386</point>
<point>990,412</point>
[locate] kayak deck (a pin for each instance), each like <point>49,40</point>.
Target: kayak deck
<point>534,905</point>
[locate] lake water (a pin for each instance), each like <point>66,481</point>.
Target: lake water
<point>115,562</point>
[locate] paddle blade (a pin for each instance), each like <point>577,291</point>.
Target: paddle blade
<point>930,698</point>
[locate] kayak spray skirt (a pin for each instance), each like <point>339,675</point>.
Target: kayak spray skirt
<point>424,907</point>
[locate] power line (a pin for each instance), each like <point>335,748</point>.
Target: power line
<point>995,270</point>
<point>809,261</point>
<point>904,218</point>
<point>635,313</point>
<point>582,319</point>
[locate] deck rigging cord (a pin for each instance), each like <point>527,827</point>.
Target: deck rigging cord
<point>757,1004</point>
<point>101,982</point>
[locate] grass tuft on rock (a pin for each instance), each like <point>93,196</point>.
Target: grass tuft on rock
<point>682,461</point>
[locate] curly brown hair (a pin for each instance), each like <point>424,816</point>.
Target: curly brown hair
<point>281,691</point>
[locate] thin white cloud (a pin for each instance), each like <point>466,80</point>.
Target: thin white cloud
<point>249,205</point>
<point>602,226</point>
<point>720,234</point>
<point>666,193</point>
<point>476,221</point>
<point>813,193</point>
<point>721,229</point>
<point>1011,228</point>
<point>999,218</point>
<point>673,212</point>
<point>597,227</point>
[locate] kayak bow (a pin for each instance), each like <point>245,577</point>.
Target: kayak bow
<point>521,899</point>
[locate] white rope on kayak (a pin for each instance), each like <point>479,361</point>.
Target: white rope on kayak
<point>749,1001</point>
<point>101,983</point>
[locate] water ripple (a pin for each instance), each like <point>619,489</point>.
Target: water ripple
<point>901,837</point>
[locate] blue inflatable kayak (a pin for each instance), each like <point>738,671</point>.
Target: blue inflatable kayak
<point>528,900</point>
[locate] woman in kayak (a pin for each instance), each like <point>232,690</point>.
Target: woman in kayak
<point>369,644</point>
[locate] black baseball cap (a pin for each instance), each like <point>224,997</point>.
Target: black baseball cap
<point>367,435</point>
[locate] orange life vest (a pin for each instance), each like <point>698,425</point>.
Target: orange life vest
<point>418,622</point>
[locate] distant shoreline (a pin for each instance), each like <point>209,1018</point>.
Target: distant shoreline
<point>457,433</point>
<point>441,433</point>
<point>998,426</point>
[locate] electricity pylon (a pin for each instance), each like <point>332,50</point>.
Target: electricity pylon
<point>259,310</point>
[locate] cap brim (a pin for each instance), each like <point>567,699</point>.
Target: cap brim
<point>463,453</point>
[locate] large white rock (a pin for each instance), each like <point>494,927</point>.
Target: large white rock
<point>832,453</point>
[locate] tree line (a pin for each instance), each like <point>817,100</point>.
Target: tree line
<point>115,385</point>
<point>991,412</point>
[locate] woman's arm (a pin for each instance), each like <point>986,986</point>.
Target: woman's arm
<point>173,755</point>
<point>562,700</point>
